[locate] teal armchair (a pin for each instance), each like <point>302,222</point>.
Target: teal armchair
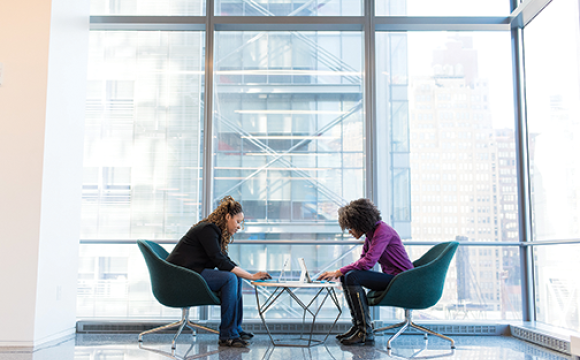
<point>175,286</point>
<point>416,289</point>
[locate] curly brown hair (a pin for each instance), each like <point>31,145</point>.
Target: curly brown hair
<point>227,206</point>
<point>360,215</point>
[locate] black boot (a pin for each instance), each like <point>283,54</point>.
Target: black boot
<point>354,326</point>
<point>364,332</point>
<point>349,333</point>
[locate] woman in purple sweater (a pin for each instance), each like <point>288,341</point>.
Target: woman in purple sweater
<point>382,245</point>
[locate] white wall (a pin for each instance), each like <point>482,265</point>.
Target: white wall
<point>43,47</point>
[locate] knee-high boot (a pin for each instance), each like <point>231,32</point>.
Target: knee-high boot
<point>354,326</point>
<point>364,334</point>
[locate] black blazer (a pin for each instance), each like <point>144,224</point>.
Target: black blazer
<point>200,249</point>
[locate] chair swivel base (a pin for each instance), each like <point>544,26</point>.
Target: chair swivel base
<point>181,324</point>
<point>405,324</point>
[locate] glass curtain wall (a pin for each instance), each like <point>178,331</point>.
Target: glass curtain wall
<point>290,138</point>
<point>446,98</point>
<point>142,161</point>
<point>553,93</point>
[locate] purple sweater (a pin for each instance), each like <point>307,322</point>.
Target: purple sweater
<point>383,245</point>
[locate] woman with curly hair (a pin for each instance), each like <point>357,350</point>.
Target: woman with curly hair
<point>382,245</point>
<point>203,249</point>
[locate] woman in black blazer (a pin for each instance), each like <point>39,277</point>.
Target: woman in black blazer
<point>204,249</point>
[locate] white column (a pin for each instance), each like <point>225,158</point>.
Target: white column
<point>44,51</point>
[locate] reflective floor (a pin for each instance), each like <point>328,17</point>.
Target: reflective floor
<point>121,347</point>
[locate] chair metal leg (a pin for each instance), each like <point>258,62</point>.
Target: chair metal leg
<point>192,328</point>
<point>160,328</point>
<point>434,333</point>
<point>390,327</point>
<point>192,324</point>
<point>401,330</point>
<point>405,324</point>
<point>181,324</point>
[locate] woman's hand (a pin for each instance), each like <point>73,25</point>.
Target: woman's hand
<point>261,275</point>
<point>329,275</point>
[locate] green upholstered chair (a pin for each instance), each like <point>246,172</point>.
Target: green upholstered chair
<point>177,287</point>
<point>416,289</point>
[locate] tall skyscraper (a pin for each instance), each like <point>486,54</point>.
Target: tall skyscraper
<point>458,165</point>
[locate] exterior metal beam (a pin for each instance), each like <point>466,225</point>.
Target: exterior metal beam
<point>309,23</point>
<point>527,11</point>
<point>369,102</point>
<point>148,23</point>
<point>524,192</point>
<point>208,143</point>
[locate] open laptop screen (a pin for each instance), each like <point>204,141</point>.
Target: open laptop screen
<point>304,275</point>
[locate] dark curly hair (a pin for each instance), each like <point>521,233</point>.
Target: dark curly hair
<point>360,215</point>
<point>227,206</point>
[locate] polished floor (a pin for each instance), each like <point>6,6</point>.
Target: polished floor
<point>154,347</point>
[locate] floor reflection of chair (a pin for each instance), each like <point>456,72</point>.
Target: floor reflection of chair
<point>203,352</point>
<point>415,354</point>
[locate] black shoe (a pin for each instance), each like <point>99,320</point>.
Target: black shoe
<point>246,335</point>
<point>349,333</point>
<point>237,342</point>
<point>361,337</point>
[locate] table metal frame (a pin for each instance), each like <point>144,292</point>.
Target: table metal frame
<point>281,288</point>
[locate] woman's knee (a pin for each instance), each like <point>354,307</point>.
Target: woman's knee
<point>232,278</point>
<point>231,281</point>
<point>351,278</point>
<point>239,283</point>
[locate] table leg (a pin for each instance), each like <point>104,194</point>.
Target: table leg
<point>261,311</point>
<point>306,308</point>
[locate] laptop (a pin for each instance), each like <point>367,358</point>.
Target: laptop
<point>305,275</point>
<point>282,273</point>
<point>280,278</point>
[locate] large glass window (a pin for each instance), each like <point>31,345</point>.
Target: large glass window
<point>288,124</point>
<point>143,151</point>
<point>143,145</point>
<point>289,138</point>
<point>552,96</point>
<point>445,104</point>
<point>557,290</point>
<point>114,283</point>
